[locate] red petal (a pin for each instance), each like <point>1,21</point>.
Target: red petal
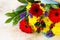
<point>23,25</point>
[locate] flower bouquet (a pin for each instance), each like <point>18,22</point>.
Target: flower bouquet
<point>36,16</point>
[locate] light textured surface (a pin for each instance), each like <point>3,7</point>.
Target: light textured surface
<point>8,32</point>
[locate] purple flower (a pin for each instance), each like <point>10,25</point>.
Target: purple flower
<point>49,34</point>
<point>23,14</point>
<point>46,13</point>
<point>31,15</point>
<point>42,4</point>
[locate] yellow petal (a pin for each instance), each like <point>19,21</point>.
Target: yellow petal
<point>32,21</point>
<point>42,9</point>
<point>48,23</point>
<point>28,6</point>
<point>56,29</point>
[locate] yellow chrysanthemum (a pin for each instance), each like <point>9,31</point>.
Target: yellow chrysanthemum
<point>32,21</point>
<point>56,29</point>
<point>28,6</point>
<point>48,23</point>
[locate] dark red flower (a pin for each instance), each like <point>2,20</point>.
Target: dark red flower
<point>35,10</point>
<point>54,15</point>
<point>25,27</point>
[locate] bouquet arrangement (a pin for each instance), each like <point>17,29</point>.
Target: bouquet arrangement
<point>36,16</point>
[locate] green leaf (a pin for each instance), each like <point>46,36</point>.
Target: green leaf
<point>37,24</point>
<point>22,1</point>
<point>21,8</point>
<point>30,1</point>
<point>42,16</point>
<point>8,20</point>
<point>16,20</point>
<point>54,6</point>
<point>47,7</point>
<point>10,14</point>
<point>43,25</point>
<point>15,15</point>
<point>27,19</point>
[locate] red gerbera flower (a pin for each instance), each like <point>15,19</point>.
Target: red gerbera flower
<point>35,10</point>
<point>54,15</point>
<point>25,27</point>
